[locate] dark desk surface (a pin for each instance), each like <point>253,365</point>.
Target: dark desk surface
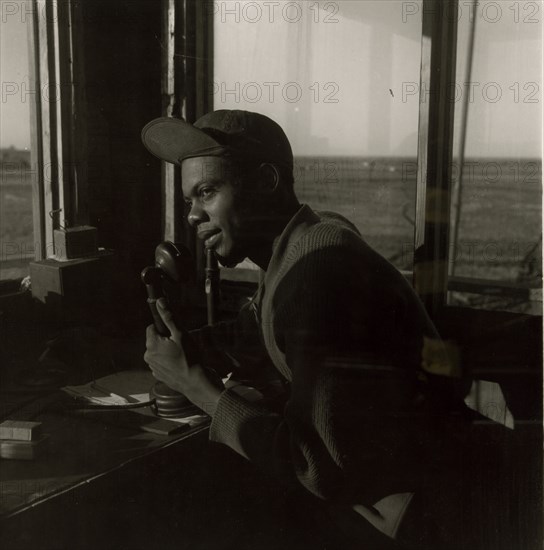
<point>81,448</point>
<point>105,486</point>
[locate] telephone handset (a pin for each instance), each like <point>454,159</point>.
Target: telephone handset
<point>173,265</point>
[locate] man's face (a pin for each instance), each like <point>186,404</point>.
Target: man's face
<point>218,209</point>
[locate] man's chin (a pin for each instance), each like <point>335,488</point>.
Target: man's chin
<point>229,261</point>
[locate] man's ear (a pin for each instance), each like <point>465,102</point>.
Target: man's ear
<point>269,177</point>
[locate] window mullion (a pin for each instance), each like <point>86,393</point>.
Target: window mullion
<point>172,38</point>
<point>436,115</point>
<point>39,207</point>
<point>54,188</point>
<point>187,69</point>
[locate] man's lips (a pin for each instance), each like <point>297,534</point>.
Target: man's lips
<point>210,237</point>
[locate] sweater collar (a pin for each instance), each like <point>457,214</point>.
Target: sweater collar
<point>304,218</point>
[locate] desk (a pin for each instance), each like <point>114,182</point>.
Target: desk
<point>79,493</point>
<point>102,486</point>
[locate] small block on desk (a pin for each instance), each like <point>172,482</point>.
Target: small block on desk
<point>19,430</point>
<point>164,427</point>
<point>23,450</point>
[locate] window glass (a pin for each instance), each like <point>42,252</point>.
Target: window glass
<point>497,170</point>
<point>341,78</point>
<point>16,230</point>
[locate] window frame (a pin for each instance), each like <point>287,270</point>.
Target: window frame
<point>58,133</point>
<point>59,184</point>
<point>435,152</point>
<point>187,61</point>
<point>434,193</point>
<point>434,187</point>
<point>57,126</point>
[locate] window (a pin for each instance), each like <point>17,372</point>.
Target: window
<point>496,216</point>
<point>336,76</point>
<point>344,80</point>
<point>44,187</point>
<point>16,223</point>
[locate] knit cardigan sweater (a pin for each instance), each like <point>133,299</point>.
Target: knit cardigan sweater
<point>345,331</point>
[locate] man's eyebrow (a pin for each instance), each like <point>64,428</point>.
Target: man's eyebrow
<point>210,181</point>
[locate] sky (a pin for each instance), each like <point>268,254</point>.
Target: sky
<point>344,79</point>
<point>368,53</point>
<point>15,100</point>
<point>349,69</point>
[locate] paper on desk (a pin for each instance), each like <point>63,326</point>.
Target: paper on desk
<point>123,388</point>
<point>120,388</point>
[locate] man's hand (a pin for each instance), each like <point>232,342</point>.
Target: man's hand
<point>168,362</point>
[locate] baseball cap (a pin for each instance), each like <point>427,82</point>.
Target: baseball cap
<point>240,134</point>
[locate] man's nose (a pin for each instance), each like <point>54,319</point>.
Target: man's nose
<point>196,214</point>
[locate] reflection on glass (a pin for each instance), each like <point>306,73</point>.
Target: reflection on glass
<point>497,172</point>
<point>341,78</point>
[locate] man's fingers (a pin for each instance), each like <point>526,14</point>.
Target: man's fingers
<point>153,366</point>
<point>161,374</point>
<point>150,332</point>
<point>168,318</point>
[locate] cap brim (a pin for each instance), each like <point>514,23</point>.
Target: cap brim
<point>173,140</point>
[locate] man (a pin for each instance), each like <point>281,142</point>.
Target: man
<point>363,426</point>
